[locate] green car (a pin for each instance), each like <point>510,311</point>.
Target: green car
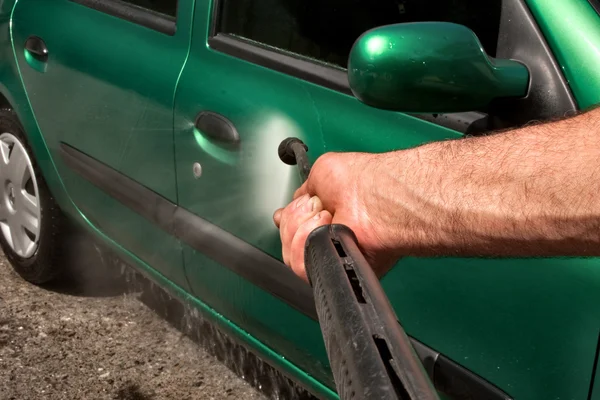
<point>154,125</point>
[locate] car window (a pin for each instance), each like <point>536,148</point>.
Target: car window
<point>325,30</point>
<point>167,7</point>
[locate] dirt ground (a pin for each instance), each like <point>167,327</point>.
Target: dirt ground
<point>57,344</point>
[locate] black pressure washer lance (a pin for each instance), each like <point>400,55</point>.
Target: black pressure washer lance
<point>370,354</point>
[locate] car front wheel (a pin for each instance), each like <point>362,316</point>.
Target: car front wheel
<point>31,222</point>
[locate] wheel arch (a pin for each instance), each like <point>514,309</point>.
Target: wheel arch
<point>4,103</point>
<point>17,101</point>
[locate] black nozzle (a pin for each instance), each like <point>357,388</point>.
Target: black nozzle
<point>287,152</point>
<point>292,151</point>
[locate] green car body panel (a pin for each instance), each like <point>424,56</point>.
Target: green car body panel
<point>530,327</point>
<point>115,106</point>
<point>572,30</point>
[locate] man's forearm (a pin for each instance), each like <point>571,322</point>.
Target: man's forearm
<point>528,192</point>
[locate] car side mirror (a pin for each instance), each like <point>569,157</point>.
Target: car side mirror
<point>430,67</point>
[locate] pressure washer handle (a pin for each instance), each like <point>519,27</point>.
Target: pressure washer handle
<point>370,354</point>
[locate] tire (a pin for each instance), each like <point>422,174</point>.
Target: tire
<point>35,250</point>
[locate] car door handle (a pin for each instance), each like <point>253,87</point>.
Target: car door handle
<point>37,48</point>
<point>218,128</point>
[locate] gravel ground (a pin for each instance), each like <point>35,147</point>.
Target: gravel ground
<point>58,344</point>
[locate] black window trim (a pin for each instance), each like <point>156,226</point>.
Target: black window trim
<point>318,72</point>
<point>595,5</point>
<point>276,59</point>
<point>138,15</point>
<point>289,63</point>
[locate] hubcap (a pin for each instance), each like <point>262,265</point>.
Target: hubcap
<point>20,215</point>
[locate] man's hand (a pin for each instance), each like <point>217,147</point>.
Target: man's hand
<point>341,189</point>
<point>532,191</point>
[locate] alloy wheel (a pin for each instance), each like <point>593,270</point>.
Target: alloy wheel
<point>20,211</point>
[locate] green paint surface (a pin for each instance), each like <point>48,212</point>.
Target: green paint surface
<point>430,67</point>
<point>128,96</point>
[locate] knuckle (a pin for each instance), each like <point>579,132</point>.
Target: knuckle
<point>321,169</point>
<point>325,161</point>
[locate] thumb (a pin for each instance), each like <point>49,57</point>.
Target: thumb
<point>302,190</point>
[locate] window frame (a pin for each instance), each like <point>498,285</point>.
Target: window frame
<point>595,5</point>
<point>274,58</point>
<point>138,15</point>
<point>315,71</point>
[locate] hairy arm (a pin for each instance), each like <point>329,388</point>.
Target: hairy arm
<point>533,191</point>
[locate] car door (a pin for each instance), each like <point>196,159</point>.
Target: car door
<point>236,101</point>
<point>101,77</point>
<point>260,71</point>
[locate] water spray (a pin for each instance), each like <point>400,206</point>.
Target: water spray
<point>371,356</point>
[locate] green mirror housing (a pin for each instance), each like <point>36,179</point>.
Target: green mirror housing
<point>430,67</point>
